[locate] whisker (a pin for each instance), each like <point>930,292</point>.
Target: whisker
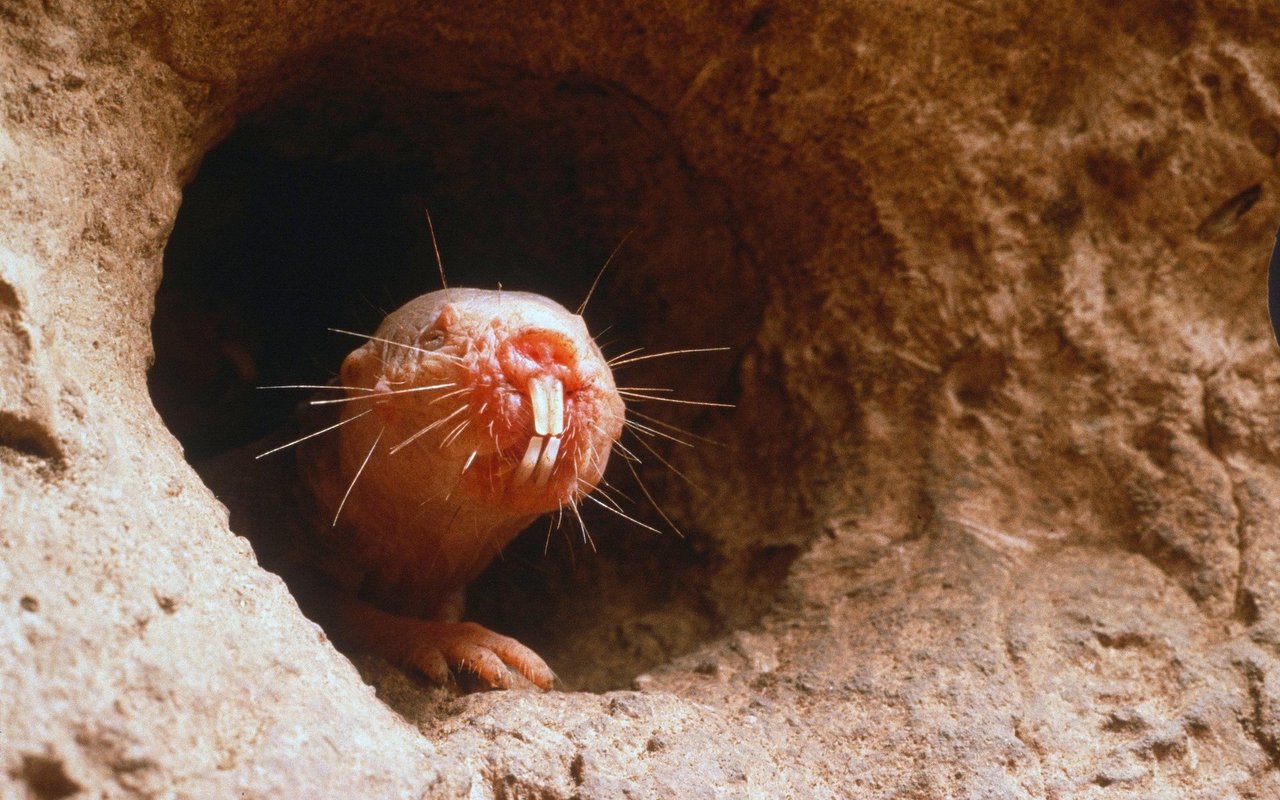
<point>600,487</point>
<point>315,433</point>
<point>454,393</point>
<point>637,396</point>
<point>392,342</point>
<point>436,247</point>
<point>426,429</point>
<point>593,499</point>
<point>669,465</point>
<point>653,502</point>
<point>456,483</point>
<point>377,309</point>
<point>644,389</point>
<point>454,434</point>
<point>359,472</point>
<point>573,557</point>
<point>620,356</point>
<point>330,386</point>
<point>470,459</point>
<point>376,394</point>
<point>682,431</point>
<point>607,261</point>
<point>645,429</point>
<point>620,361</point>
<point>371,338</point>
<point>626,452</point>
<point>586,534</point>
<point>612,504</point>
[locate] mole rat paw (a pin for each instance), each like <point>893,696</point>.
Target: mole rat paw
<point>465,647</point>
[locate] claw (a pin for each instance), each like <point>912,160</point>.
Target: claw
<point>438,649</point>
<point>492,657</point>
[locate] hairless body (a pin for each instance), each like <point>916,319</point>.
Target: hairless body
<point>468,414</point>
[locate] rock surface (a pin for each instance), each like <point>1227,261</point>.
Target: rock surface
<point>996,511</point>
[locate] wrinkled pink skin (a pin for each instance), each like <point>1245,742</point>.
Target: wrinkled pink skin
<point>422,522</point>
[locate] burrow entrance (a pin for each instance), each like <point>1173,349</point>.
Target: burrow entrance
<point>311,215</point>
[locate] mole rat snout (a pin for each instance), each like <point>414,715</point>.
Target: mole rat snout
<point>538,351</point>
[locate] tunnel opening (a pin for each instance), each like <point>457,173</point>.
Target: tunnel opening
<point>311,215</point>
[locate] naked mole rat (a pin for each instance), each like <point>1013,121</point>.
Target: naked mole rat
<point>465,416</point>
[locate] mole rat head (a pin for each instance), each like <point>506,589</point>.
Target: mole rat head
<point>524,407</point>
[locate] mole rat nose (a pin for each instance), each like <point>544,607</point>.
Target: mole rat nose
<point>536,352</point>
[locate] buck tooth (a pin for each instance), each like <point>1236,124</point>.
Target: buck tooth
<point>540,403</point>
<point>547,463</point>
<point>532,454</point>
<point>555,408</point>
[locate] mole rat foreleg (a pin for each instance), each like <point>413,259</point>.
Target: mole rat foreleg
<point>435,647</point>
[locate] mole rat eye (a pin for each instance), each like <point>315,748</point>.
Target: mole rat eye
<point>432,337</point>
